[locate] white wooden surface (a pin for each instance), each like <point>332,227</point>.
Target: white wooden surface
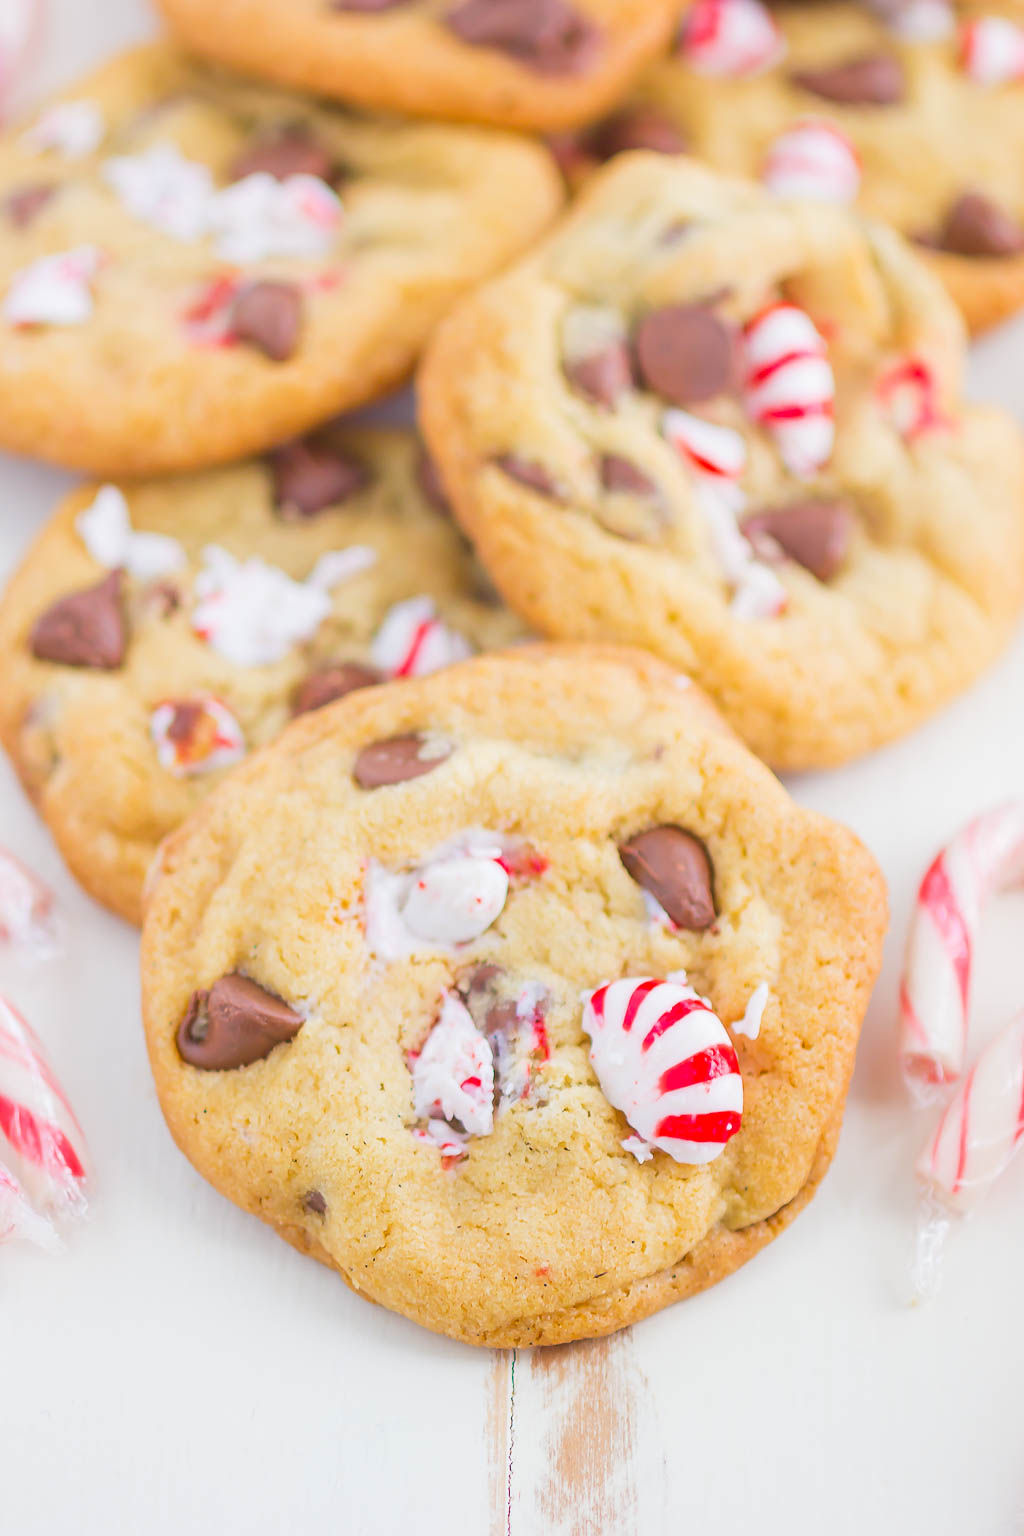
<point>182,1370</point>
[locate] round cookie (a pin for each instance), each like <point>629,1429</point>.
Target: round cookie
<point>912,110</point>
<point>377,1012</point>
<point>529,64</point>
<point>153,637</point>
<point>193,268</point>
<point>730,429</point>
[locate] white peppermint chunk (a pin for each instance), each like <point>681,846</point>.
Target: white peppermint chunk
<point>55,290</point>
<point>261,216</point>
<point>453,1076</point>
<point>339,565</point>
<point>106,531</point>
<point>750,1024</point>
<point>413,642</point>
<point>163,189</point>
<point>252,612</point>
<point>757,592</point>
<point>455,901</point>
<point>72,129</point>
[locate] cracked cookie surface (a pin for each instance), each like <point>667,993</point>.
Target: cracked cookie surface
<point>531,1222</point>
<point>731,430</point>
<point>173,666</point>
<point>193,267</point>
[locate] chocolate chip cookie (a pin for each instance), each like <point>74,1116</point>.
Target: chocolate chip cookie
<point>730,428</point>
<point>193,267</point>
<point>913,110</point>
<point>532,64</point>
<point>522,995</point>
<point>155,635</point>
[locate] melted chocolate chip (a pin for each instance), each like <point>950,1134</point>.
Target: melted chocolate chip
<point>288,152</point>
<point>428,478</point>
<point>685,353</point>
<point>234,1024</point>
<point>548,35</point>
<point>185,717</point>
<point>816,534</point>
<point>619,474</point>
<point>873,80</point>
<point>268,315</point>
<point>25,203</point>
<point>309,476</point>
<point>397,759</point>
<point>333,682</point>
<point>84,629</point>
<point>674,866</point>
<point>976,226</point>
<point>535,476</point>
<point>314,1204</point>
<point>604,375</point>
<point>635,128</point>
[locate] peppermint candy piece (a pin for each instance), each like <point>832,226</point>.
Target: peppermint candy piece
<point>814,160</point>
<point>106,531</point>
<point>456,900</point>
<point>194,736</point>
<point>908,394</point>
<point>716,451</point>
<point>728,39</point>
<point>453,1074</point>
<point>55,290</point>
<point>663,1057</point>
<point>19,1221</point>
<point>790,387</point>
<point>72,129</point>
<point>164,190</point>
<point>413,642</point>
<point>41,1142</point>
<point>26,908</point>
<point>983,1125</point>
<point>253,613</point>
<point>922,21</point>
<point>261,216</point>
<point>992,50</point>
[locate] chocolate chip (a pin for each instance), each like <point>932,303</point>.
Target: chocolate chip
<point>184,720</point>
<point>234,1024</point>
<point>816,534</point>
<point>333,682</point>
<point>685,353</point>
<point>528,473</point>
<point>674,866</point>
<point>428,478</point>
<point>268,316</point>
<point>604,375</point>
<point>619,474</point>
<point>26,203</point>
<point>976,226</point>
<point>84,629</point>
<point>635,128</point>
<point>546,34</point>
<point>873,80</point>
<point>314,1204</point>
<point>398,758</point>
<point>287,152</point>
<point>309,476</point>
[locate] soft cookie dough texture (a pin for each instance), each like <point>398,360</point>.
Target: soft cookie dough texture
<point>528,64</point>
<point>80,737</point>
<point>548,1230</point>
<point>932,490</point>
<point>136,388</point>
<point>945,136</point>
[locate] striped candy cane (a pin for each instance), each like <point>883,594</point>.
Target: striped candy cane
<point>662,1056</point>
<point>986,857</point>
<point>41,1142</point>
<point>19,1222</point>
<point>983,1125</point>
<point>789,385</point>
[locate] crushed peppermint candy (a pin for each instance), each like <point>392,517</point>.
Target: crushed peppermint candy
<point>453,1074</point>
<point>260,216</point>
<point>27,919</point>
<point>164,190</point>
<point>55,290</point>
<point>412,641</point>
<point>750,1024</point>
<point>253,612</point>
<point>730,39</point>
<point>789,386</point>
<point>105,529</point>
<point>194,736</point>
<point>992,50</point>
<point>73,129</point>
<point>813,160</point>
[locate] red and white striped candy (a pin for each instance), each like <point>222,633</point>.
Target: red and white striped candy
<point>983,1125</point>
<point>195,736</point>
<point>908,393</point>
<point>992,50</point>
<point>986,857</point>
<point>19,1222</point>
<point>814,159</point>
<point>730,38</point>
<point>716,451</point>
<point>26,906</point>
<point>789,385</point>
<point>412,641</point>
<point>41,1142</point>
<point>663,1057</point>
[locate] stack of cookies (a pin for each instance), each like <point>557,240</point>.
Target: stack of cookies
<point>482,957</point>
